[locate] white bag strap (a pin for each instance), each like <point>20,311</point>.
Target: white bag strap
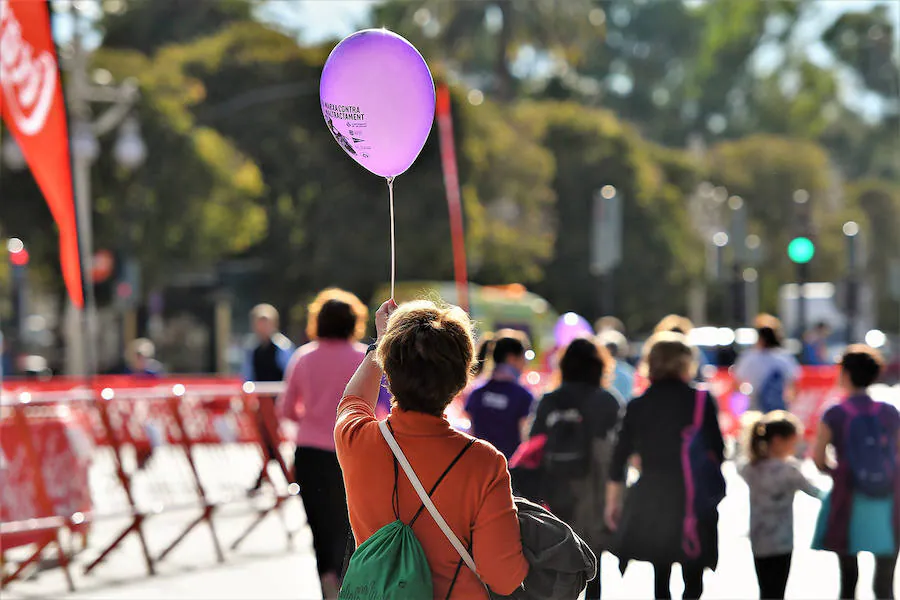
<point>426,500</point>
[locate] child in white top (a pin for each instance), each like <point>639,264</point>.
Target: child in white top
<point>773,476</point>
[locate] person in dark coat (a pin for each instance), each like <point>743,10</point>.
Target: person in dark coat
<point>585,367</point>
<point>650,525</point>
<point>266,361</point>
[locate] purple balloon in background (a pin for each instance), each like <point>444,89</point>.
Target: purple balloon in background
<point>377,97</point>
<point>571,326</point>
<point>740,403</point>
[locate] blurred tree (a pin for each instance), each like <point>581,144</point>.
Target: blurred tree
<point>661,254</point>
<point>483,40</point>
<point>191,202</point>
<point>864,41</point>
<point>330,215</point>
<point>766,171</point>
<point>879,201</point>
<point>24,214</point>
<point>864,44</point>
<point>717,70</point>
<point>195,198</point>
<point>238,154</point>
<point>147,25</point>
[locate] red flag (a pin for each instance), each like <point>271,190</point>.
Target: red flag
<point>31,104</point>
<point>451,184</point>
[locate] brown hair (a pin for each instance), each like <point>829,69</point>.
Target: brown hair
<point>667,355</point>
<point>485,349</point>
<point>586,361</point>
<point>674,323</point>
<point>862,364</point>
<point>508,343</point>
<point>336,314</point>
<point>768,331</point>
<point>427,354</point>
<point>776,424</point>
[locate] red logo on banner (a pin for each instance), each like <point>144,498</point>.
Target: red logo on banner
<point>31,103</point>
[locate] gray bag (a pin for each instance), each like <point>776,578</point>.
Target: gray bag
<point>560,562</point>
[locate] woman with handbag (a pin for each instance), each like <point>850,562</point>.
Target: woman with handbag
<point>670,514</point>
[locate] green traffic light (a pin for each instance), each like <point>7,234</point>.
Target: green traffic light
<point>801,250</point>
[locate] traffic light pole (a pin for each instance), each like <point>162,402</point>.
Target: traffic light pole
<point>802,278</point>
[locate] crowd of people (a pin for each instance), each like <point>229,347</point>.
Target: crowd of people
<point>631,458</point>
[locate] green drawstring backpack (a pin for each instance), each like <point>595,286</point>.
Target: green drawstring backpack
<point>391,564</point>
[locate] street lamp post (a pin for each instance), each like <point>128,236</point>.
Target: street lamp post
<point>738,258</point>
<point>851,235</point>
<point>85,128</point>
<point>704,206</point>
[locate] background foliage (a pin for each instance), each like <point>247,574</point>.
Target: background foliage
<point>650,96</point>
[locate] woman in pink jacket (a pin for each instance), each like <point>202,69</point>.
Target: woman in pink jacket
<point>316,377</point>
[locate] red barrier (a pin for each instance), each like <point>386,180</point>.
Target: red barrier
<point>151,448</point>
<point>815,391</point>
<point>23,479</point>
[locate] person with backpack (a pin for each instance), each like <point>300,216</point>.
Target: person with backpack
<point>579,420</point>
<point>499,409</point>
<point>773,476</point>
<point>670,515</point>
<point>431,508</point>
<point>861,513</point>
<point>769,371</point>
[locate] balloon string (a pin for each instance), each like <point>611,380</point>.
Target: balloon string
<point>390,182</point>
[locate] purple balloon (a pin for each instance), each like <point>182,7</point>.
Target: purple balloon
<point>569,327</point>
<point>378,100</point>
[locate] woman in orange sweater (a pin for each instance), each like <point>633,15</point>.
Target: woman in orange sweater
<point>427,354</point>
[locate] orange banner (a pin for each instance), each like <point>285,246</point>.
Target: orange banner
<point>31,104</point>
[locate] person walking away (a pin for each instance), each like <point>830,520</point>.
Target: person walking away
<point>316,377</point>
<point>609,324</point>
<point>684,326</point>
<point>456,411</point>
<point>579,420</point>
<point>427,354</point>
<point>770,372</point>
<point>773,476</point>
<point>141,361</point>
<point>657,524</point>
<point>623,373</point>
<point>268,358</point>
<point>500,408</point>
<point>266,361</point>
<point>815,345</point>
<point>860,514</point>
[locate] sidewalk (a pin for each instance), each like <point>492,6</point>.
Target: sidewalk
<point>263,567</point>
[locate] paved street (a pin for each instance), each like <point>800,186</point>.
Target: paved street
<point>263,568</point>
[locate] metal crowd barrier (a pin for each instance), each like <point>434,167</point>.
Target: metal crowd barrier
<point>72,458</point>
